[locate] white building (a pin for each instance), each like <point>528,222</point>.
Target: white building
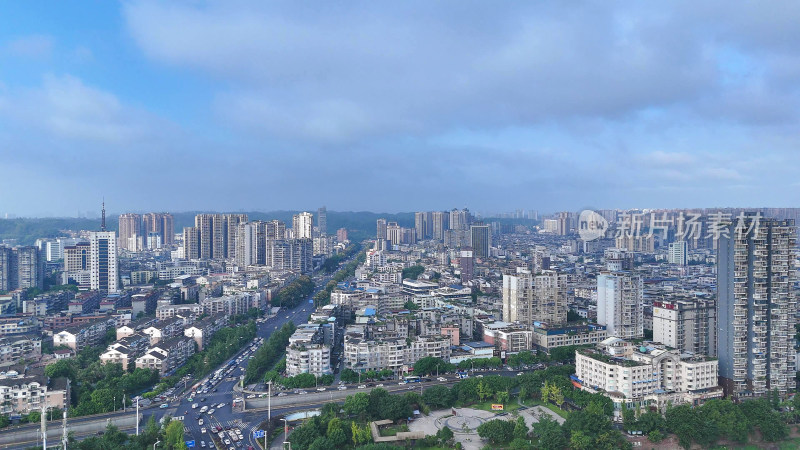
<point>619,304</point>
<point>103,261</point>
<point>517,297</point>
<point>688,324</point>
<point>302,224</point>
<point>677,253</point>
<point>646,375</point>
<point>308,358</point>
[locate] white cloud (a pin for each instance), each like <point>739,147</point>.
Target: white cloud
<point>32,46</point>
<point>66,108</point>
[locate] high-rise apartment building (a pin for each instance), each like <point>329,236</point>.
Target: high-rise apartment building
<point>423,224</point>
<point>619,304</point>
<point>217,234</point>
<point>130,232</point>
<point>276,230</point>
<point>550,298</point>
<point>251,243</point>
<point>480,239</point>
<point>677,253</point>
<point>341,234</point>
<point>8,269</point>
<point>230,227</point>
<point>688,324</point>
<point>291,254</point>
<point>441,223</point>
<point>459,219</point>
<point>517,297</point>
<point>103,261</point>
<point>756,307</point>
<point>21,268</point>
<point>322,221</point>
<point>191,243</point>
<point>563,223</point>
<point>161,223</point>
<point>381,229</point>
<point>302,225</point>
<point>30,267</point>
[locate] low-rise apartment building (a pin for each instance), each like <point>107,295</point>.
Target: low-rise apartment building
<point>23,393</point>
<point>167,355</point>
<point>646,375</point>
<point>82,335</point>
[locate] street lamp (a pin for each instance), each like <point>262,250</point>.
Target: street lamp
<point>156,443</point>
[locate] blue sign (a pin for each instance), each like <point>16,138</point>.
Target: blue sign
<point>258,433</point>
<point>311,301</point>
<point>190,444</point>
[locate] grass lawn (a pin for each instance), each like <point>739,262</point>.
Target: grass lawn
<point>487,406</point>
<point>393,430</point>
<point>554,408</point>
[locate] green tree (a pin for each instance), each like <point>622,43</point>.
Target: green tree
<point>437,397</point>
<point>484,391</point>
<point>578,440</point>
<point>336,435</point>
<point>521,429</point>
<point>360,435</point>
<point>357,404</point>
<point>503,397</point>
<point>497,431</point>
<point>549,433</point>
<point>445,435</point>
<point>173,435</point>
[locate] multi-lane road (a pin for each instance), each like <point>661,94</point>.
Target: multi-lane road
<point>222,392</point>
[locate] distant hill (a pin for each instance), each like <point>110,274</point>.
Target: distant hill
<point>360,224</point>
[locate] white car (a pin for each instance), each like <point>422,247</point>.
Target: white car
<point>379,385</point>
<point>321,389</point>
<point>211,411</point>
<point>195,405</point>
<point>202,430</point>
<point>442,379</point>
<point>203,444</point>
<point>282,394</point>
<point>401,383</point>
<point>362,386</point>
<point>341,388</point>
<point>200,422</point>
<point>227,441</point>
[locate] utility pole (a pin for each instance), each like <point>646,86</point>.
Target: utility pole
<point>269,406</point>
<point>44,422</point>
<point>64,430</point>
<point>137,416</point>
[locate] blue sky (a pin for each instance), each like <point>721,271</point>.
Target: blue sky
<point>231,105</point>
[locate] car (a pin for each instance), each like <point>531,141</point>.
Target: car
<point>220,405</point>
<point>203,399</point>
<point>251,396</point>
<point>287,317</point>
<point>303,392</point>
<point>190,399</point>
<point>200,422</point>
<point>379,385</point>
<point>520,373</point>
<point>362,386</point>
<point>234,438</point>
<point>282,394</point>
<point>215,389</point>
<point>321,389</point>
<point>202,430</point>
<point>211,411</point>
<point>441,379</point>
<point>227,441</point>
<point>227,427</point>
<point>164,406</point>
<point>203,444</point>
<point>401,383</point>
<point>480,376</point>
<point>239,444</point>
<point>194,406</point>
<point>341,388</point>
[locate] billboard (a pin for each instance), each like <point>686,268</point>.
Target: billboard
<point>496,407</point>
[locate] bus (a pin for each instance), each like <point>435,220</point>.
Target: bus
<point>413,379</point>
<point>462,374</point>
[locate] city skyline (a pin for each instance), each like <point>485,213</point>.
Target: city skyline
<point>577,106</point>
